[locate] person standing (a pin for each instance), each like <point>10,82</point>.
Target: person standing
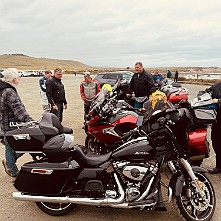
<point>56,94</point>
<point>215,90</point>
<point>169,74</point>
<point>158,78</point>
<point>11,110</point>
<point>176,76</point>
<point>44,100</point>
<point>141,84</point>
<point>89,88</point>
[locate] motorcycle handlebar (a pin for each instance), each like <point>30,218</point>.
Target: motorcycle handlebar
<point>129,133</point>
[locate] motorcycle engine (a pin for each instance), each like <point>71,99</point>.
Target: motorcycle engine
<point>132,193</point>
<point>135,173</point>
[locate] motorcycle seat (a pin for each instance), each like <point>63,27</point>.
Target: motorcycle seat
<point>88,160</point>
<point>170,90</point>
<point>51,125</point>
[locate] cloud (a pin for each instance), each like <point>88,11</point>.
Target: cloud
<point>114,33</point>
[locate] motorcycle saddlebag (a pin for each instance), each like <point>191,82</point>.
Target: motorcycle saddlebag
<point>198,141</point>
<point>26,139</point>
<point>45,178</point>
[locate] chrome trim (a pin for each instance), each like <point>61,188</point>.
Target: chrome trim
<point>170,193</point>
<point>146,191</point>
<point>37,171</point>
<point>22,137</point>
<point>28,151</point>
<point>126,205</point>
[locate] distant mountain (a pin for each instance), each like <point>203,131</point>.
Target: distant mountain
<point>24,62</point>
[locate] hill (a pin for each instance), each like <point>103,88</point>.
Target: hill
<point>24,62</point>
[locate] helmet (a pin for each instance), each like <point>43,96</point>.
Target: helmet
<point>107,86</point>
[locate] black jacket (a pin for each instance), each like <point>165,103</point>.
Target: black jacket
<point>55,91</point>
<point>142,85</point>
<point>215,90</point>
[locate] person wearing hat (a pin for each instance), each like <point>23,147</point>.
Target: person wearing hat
<point>89,88</point>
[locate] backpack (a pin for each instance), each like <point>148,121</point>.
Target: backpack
<point>157,96</point>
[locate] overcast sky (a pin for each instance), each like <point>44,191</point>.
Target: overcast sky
<point>114,33</point>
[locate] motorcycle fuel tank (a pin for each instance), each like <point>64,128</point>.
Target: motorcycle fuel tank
<point>135,149</point>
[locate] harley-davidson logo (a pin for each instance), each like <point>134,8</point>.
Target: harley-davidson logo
<point>141,153</point>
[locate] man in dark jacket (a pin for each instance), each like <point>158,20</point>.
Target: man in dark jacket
<point>142,85</point>
<point>11,110</point>
<point>216,127</point>
<point>56,94</point>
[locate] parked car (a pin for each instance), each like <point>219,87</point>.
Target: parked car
<point>29,73</point>
<point>111,77</point>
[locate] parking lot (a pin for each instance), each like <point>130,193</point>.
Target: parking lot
<point>11,209</point>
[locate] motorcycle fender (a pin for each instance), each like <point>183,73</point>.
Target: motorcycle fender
<point>199,169</point>
<point>178,181</point>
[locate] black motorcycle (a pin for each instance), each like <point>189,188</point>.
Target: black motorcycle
<point>127,177</point>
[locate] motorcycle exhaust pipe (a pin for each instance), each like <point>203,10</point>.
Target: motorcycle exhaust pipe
<point>66,199</point>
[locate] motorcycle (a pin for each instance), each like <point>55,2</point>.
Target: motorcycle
<point>127,177</point>
<point>110,118</point>
<point>175,92</point>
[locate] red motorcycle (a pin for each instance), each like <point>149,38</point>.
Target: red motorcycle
<point>175,92</point>
<point>110,119</point>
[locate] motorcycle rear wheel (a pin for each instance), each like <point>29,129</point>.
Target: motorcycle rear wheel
<point>56,209</point>
<point>192,207</point>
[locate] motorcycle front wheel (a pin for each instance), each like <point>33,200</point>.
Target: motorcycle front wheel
<point>191,206</point>
<point>94,146</point>
<point>56,209</point>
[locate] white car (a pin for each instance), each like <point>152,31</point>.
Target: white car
<point>29,73</point>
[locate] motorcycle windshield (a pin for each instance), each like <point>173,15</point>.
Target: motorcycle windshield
<point>99,99</point>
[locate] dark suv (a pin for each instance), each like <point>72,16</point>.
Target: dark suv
<point>111,77</point>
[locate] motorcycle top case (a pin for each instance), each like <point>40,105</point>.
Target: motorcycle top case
<point>201,101</point>
<point>26,139</point>
<point>204,109</point>
<point>46,178</point>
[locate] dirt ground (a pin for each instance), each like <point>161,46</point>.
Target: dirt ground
<point>11,209</point>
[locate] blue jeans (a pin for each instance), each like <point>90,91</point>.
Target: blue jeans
<point>59,112</point>
<point>11,157</point>
<point>138,105</point>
